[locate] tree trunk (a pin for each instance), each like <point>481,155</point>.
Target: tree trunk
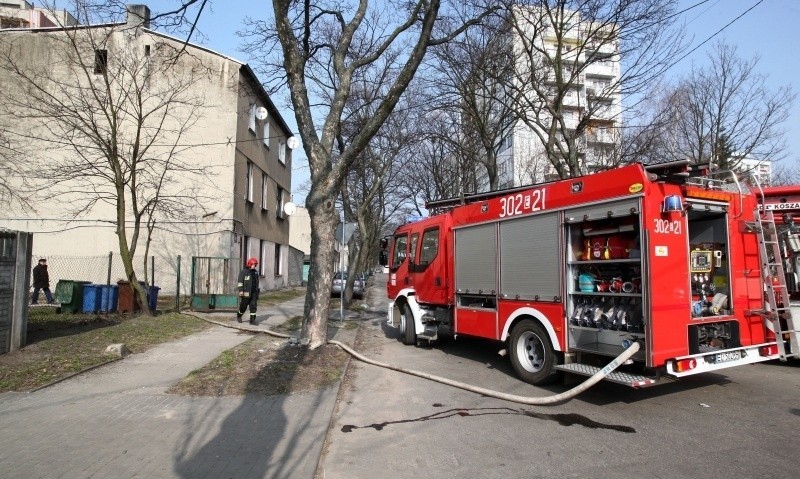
<point>318,295</point>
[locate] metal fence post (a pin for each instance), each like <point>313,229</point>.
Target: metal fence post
<point>178,288</point>
<point>108,282</point>
<point>108,277</point>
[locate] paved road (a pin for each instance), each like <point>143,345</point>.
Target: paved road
<point>117,422</point>
<point>742,423</point>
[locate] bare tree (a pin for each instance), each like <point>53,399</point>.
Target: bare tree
<point>786,173</point>
<point>13,183</point>
<point>441,163</point>
<point>466,76</point>
<point>557,42</point>
<point>324,45</point>
<point>723,112</point>
<point>367,184</point>
<point>110,127</point>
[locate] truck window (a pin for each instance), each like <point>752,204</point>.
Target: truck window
<point>412,251</point>
<point>430,245</point>
<point>400,245</point>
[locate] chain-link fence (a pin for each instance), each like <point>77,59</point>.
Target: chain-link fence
<point>103,281</point>
<point>106,269</point>
<point>96,285</point>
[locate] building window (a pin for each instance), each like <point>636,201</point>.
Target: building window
<point>278,270</point>
<point>100,61</point>
<point>246,240</point>
<point>262,261</point>
<point>279,202</point>
<point>266,134</point>
<point>147,50</point>
<point>282,152</point>
<point>251,120</point>
<point>248,183</point>
<point>264,190</point>
<point>507,142</point>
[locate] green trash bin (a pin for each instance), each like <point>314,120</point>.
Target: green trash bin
<point>69,294</point>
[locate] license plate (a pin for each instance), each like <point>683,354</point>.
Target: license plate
<point>726,356</point>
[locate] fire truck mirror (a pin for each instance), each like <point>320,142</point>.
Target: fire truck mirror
<point>383,257</point>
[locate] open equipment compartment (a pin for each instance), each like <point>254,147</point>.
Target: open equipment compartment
<point>606,301</point>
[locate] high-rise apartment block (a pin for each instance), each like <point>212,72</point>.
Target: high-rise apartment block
<point>573,66</point>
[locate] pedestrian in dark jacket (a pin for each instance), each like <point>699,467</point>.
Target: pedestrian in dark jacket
<point>41,281</point>
<point>248,290</point>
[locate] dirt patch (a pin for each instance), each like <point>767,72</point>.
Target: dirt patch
<point>266,365</point>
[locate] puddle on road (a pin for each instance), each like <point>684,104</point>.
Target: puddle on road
<point>569,419</point>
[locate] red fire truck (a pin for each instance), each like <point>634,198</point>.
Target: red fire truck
<point>566,275</point>
<point>784,202</point>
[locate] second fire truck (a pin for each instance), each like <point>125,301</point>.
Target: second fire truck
<point>566,275</point>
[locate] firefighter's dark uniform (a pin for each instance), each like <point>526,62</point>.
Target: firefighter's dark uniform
<point>248,293</point>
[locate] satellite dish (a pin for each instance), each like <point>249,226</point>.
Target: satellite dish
<point>292,142</point>
<point>289,208</point>
<point>261,113</point>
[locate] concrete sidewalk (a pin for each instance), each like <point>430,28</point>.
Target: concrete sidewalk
<point>117,421</point>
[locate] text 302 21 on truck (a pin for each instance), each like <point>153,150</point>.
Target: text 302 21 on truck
<point>566,274</point>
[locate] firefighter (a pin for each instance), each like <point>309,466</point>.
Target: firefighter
<point>248,290</point>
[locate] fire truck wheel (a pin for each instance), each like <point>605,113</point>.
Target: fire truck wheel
<point>532,355</point>
<point>409,334</point>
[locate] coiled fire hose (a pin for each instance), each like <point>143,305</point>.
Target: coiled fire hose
<point>527,400</point>
<point>531,401</point>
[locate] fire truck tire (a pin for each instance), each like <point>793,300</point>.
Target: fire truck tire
<point>407,331</point>
<point>532,354</point>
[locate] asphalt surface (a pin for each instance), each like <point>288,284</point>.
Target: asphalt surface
<point>117,421</point>
<point>741,422</point>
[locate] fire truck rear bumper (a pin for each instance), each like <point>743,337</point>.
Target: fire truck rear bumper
<point>723,359</point>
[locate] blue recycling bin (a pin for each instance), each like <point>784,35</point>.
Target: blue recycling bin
<point>91,298</point>
<point>109,297</point>
<point>152,299</point>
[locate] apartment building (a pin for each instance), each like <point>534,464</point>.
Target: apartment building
<point>232,132</point>
<point>589,86</point>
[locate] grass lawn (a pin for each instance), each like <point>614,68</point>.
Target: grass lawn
<point>61,344</point>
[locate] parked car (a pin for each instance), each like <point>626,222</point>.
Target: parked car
<point>339,280</point>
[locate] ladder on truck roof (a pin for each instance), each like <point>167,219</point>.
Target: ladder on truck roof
<point>778,314</point>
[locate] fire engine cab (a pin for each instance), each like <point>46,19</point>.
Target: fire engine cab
<point>566,275</point>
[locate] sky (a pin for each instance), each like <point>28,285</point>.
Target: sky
<point>771,30</point>
<point>768,28</point>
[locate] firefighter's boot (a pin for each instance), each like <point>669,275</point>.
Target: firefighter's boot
<point>253,318</point>
<point>238,317</point>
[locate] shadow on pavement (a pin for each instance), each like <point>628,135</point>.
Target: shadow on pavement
<point>253,441</point>
<point>277,436</point>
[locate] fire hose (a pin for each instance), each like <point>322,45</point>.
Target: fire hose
<point>531,401</point>
<point>527,400</point>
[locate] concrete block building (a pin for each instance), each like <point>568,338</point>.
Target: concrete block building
<point>231,141</point>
